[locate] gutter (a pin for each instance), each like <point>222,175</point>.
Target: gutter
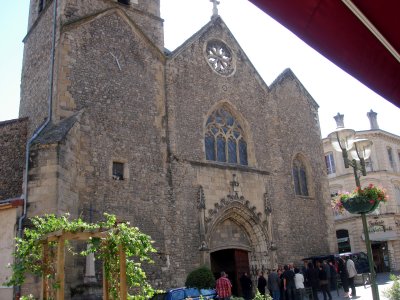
<point>38,131</point>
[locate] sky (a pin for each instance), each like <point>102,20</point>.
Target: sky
<point>270,47</point>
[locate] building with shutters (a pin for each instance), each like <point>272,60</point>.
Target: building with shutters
<point>383,170</point>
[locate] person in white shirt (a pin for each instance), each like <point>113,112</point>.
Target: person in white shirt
<point>351,270</point>
<point>299,282</point>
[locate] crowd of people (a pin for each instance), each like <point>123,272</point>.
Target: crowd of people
<point>290,283</point>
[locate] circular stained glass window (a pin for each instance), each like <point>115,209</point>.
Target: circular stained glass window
<point>219,57</point>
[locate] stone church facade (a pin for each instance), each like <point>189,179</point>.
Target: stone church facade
<point>191,146</point>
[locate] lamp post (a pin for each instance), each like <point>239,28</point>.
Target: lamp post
<point>343,140</point>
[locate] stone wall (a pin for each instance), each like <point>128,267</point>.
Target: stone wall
<point>302,137</point>
<point>13,137</point>
<point>8,220</point>
<point>275,134</point>
<point>35,77</point>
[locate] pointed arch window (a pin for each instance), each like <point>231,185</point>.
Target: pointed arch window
<point>300,177</point>
<point>224,138</point>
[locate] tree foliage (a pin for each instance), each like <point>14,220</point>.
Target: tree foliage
<point>393,293</point>
<point>201,278</point>
<point>136,245</point>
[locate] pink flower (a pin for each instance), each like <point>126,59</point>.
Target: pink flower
<point>371,201</point>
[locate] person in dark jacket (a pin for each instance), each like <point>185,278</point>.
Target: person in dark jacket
<point>312,278</point>
<point>246,284</point>
<point>342,270</point>
<point>289,285</point>
<point>261,284</point>
<point>333,275</point>
<point>274,284</point>
<point>323,280</point>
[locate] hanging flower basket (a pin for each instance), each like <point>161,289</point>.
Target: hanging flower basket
<point>364,200</point>
<point>359,204</point>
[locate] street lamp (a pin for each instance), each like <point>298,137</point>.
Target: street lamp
<point>343,140</point>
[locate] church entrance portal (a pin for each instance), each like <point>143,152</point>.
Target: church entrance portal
<point>234,262</point>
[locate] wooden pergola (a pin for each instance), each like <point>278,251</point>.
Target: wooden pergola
<point>60,237</point>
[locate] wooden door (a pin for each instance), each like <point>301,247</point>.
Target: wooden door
<point>241,266</point>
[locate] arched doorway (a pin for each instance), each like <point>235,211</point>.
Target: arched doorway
<point>238,240</point>
<point>233,262</point>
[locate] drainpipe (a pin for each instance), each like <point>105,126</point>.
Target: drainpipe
<point>38,131</point>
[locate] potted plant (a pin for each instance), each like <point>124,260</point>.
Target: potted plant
<point>361,200</point>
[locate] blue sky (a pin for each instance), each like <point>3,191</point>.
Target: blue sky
<point>13,25</point>
<point>269,46</point>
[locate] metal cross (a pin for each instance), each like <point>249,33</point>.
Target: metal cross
<point>215,9</point>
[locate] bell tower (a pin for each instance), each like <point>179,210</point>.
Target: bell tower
<point>45,49</point>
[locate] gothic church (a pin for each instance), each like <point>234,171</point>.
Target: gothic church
<point>190,145</point>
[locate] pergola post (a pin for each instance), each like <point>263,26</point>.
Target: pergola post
<point>122,273</point>
<point>45,279</point>
<point>105,283</point>
<point>60,278</point>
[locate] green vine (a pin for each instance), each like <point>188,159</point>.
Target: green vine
<point>136,245</point>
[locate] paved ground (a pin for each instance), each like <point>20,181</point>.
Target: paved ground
<point>364,293</point>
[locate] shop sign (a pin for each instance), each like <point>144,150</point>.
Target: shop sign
<point>378,226</point>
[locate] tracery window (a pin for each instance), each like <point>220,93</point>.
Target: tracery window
<point>224,139</point>
<point>300,177</point>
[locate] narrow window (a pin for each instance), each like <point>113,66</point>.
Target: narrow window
<point>300,181</point>
<point>232,152</point>
<point>303,181</point>
<point>243,152</point>
<point>330,163</point>
<point>390,156</point>
<point>210,147</point>
<point>118,171</point>
<point>296,180</point>
<point>397,194</point>
<point>221,151</point>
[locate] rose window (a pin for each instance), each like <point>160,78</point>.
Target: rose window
<point>219,57</point>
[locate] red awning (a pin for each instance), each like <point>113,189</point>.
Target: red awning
<point>334,29</point>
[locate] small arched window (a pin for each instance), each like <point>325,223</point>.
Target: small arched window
<point>300,177</point>
<point>224,139</point>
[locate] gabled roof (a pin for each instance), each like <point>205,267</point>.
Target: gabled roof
<point>215,21</point>
<point>54,133</point>
<point>189,41</point>
<point>288,74</point>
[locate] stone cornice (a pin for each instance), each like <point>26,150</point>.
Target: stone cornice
<point>223,166</point>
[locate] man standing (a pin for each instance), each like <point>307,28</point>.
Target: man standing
<point>273,284</point>
<point>246,284</point>
<point>223,287</point>
<point>351,270</point>
<point>289,285</point>
<point>261,284</point>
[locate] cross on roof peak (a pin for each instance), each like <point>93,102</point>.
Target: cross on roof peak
<point>215,8</point>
